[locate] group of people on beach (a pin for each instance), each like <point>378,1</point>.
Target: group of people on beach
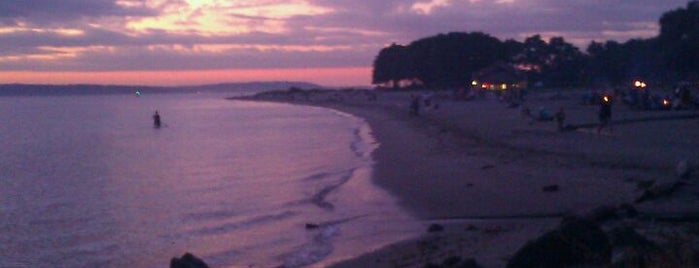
<point>426,100</point>
<point>604,113</point>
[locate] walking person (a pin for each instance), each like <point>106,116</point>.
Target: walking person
<point>560,119</point>
<point>605,112</point>
<point>414,105</point>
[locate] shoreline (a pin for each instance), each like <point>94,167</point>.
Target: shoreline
<point>480,177</point>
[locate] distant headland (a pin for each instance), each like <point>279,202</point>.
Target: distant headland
<point>91,89</point>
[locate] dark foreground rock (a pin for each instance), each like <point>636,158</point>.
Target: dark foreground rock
<point>435,228</point>
<point>576,242</point>
<point>455,262</point>
<point>187,261</point>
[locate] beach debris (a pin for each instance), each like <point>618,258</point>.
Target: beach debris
<point>576,242</point>
<point>602,214</point>
<point>488,166</point>
<point>634,250</point>
<point>494,230</point>
<point>456,262</point>
<point>188,260</point>
<point>644,185</point>
<point>434,228</point>
<point>451,261</point>
<point>469,263</point>
<point>312,226</point>
<point>551,188</point>
<point>659,190</point>
<point>459,262</point>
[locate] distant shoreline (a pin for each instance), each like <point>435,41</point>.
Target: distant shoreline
<point>92,89</point>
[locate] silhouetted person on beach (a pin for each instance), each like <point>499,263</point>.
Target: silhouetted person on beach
<point>156,120</point>
<point>414,105</point>
<point>560,119</point>
<point>605,112</point>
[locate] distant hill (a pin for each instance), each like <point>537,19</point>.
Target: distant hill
<point>88,89</point>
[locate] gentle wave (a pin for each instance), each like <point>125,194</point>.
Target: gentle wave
<point>249,223</point>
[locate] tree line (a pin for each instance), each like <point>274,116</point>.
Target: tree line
<point>449,60</point>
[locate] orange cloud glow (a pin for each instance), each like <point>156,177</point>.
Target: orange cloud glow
<point>351,76</point>
<point>211,17</point>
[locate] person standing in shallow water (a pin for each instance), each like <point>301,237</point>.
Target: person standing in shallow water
<point>156,120</point>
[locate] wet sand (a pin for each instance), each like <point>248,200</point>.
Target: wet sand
<point>478,168</point>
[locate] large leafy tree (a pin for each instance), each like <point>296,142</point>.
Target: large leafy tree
<point>564,66</point>
<point>392,65</point>
<point>607,63</point>
<point>448,60</point>
<point>442,61</point>
<point>555,63</point>
<point>679,40</point>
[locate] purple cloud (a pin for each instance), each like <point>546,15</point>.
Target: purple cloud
<point>350,34</point>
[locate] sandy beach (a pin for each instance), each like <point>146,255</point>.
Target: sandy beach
<point>485,180</point>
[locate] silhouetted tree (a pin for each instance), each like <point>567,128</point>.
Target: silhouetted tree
<point>564,65</point>
<point>392,65</point>
<point>679,40</point>
<point>533,57</point>
<point>554,63</point>
<point>644,60</point>
<point>448,60</point>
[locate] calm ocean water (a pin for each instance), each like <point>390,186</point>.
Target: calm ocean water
<point>86,181</point>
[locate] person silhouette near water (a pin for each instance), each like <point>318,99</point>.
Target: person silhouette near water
<point>156,120</point>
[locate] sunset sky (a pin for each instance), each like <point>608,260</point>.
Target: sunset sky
<point>329,42</point>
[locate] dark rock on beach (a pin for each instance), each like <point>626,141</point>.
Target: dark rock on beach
<point>551,188</point>
<point>660,190</point>
<point>634,250</point>
<point>603,214</point>
<point>188,260</point>
<point>435,228</point>
<point>455,262</point>
<point>576,242</point>
<point>312,226</point>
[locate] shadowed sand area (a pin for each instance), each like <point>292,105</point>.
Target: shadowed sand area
<point>478,168</point>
